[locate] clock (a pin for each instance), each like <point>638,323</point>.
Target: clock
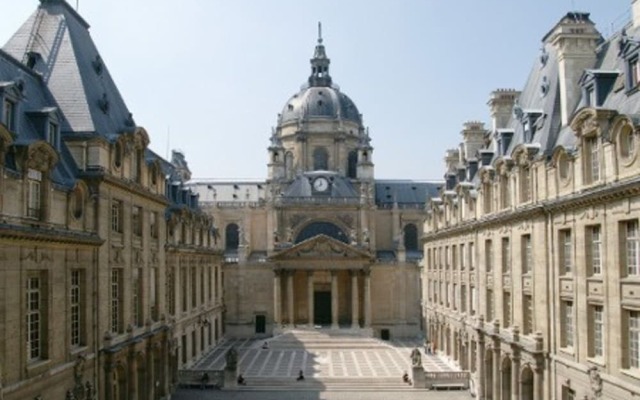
<point>320,184</point>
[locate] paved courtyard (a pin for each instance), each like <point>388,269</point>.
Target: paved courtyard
<point>318,395</point>
<point>338,365</point>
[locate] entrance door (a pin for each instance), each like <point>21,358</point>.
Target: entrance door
<point>261,324</point>
<point>322,308</point>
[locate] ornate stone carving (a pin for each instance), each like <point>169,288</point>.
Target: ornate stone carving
<point>595,382</point>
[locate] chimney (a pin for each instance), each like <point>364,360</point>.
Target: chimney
<point>451,159</point>
<point>635,12</point>
<point>501,106</point>
<point>575,39</point>
<point>473,138</point>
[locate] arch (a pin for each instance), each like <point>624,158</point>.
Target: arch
<point>322,228</point>
<point>352,164</point>
<point>232,237</point>
<point>320,159</point>
<point>526,383</point>
<point>505,383</point>
<point>411,237</point>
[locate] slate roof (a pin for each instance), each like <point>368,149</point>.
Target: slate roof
<point>35,97</point>
<point>72,69</point>
<point>404,192</point>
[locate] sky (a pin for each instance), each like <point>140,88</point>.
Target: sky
<point>208,77</point>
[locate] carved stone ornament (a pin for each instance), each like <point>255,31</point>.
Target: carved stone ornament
<point>595,382</point>
<point>41,157</point>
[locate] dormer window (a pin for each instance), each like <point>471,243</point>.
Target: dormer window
<point>53,136</point>
<point>591,96</point>
<point>596,86</point>
<point>8,114</point>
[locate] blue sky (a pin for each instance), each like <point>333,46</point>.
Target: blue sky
<point>209,77</point>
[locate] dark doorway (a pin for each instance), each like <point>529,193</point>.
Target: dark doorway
<point>384,334</point>
<point>322,308</point>
<point>261,324</point>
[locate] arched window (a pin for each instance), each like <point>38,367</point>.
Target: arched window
<point>352,164</point>
<point>232,237</point>
<point>320,159</point>
<point>410,237</point>
<point>322,228</point>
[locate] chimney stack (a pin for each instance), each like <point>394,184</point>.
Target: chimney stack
<point>575,39</point>
<point>473,138</point>
<point>501,106</point>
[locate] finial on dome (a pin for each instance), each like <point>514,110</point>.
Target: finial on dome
<point>319,32</point>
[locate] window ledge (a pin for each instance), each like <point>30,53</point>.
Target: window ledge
<point>632,372</point>
<point>37,367</point>
<point>568,351</point>
<point>78,350</point>
<point>599,361</point>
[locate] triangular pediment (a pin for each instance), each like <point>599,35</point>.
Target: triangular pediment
<point>322,247</point>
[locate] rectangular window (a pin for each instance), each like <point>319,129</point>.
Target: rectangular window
<point>54,135</point>
<point>634,339</point>
<point>9,114</point>
<point>194,286</point>
<point>567,323</point>
<point>463,257</point>
<point>153,224</point>
<point>153,293</point>
<point>526,254</point>
<point>592,159</point>
<point>171,290</point>
<point>632,247</point>
<point>506,309</point>
<point>454,297</point>
<point>136,221</point>
<point>183,288</point>
<point>471,257</point>
<point>565,253</point>
<point>454,257</point>
<point>504,191</point>
<point>36,313</point>
<point>76,308</point>
<point>203,282</point>
<point>527,315</point>
<point>594,249</point>
<point>597,331</point>
<point>210,282</point>
<point>116,309</point>
<point>473,300</point>
<point>463,298</point>
<point>506,256</point>
<point>116,216</point>
<point>487,199</point>
<point>136,296</point>
<point>34,205</point>
<point>568,393</point>
<point>490,305</point>
<point>488,254</point>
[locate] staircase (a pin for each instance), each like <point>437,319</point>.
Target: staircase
<point>327,383</point>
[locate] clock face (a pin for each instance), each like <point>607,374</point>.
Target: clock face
<point>321,184</point>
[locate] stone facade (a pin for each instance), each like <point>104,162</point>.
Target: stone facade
<point>531,249</point>
<point>110,279</point>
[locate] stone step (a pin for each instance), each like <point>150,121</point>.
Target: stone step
<point>356,382</point>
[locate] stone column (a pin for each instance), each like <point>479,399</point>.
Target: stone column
<point>290,308</point>
<point>334,300</point>
<point>367,299</point>
<point>537,382</point>
<point>480,381</point>
<point>355,305</point>
<point>310,304</point>
<point>496,371</point>
<point>133,376</point>
<point>277,298</point>
<point>515,378</point>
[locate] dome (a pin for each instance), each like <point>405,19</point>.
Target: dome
<point>320,102</point>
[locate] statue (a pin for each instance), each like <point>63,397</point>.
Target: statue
<point>231,358</point>
<point>416,358</point>
<point>365,237</point>
<point>596,382</point>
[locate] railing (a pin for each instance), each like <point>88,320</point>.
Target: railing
<point>317,200</point>
<point>201,378</point>
<point>447,379</point>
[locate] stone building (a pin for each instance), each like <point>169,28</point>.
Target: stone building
<point>320,241</point>
<point>110,279</point>
<point>532,249</point>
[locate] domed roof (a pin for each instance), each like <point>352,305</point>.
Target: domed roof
<point>319,98</point>
<point>320,102</point>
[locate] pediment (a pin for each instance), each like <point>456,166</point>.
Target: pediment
<point>321,247</point>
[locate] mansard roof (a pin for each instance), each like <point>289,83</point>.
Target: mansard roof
<point>33,101</point>
<point>404,192</point>
<point>56,43</point>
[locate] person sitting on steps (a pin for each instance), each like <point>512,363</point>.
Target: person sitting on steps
<point>405,377</point>
<point>300,376</point>
<point>241,380</point>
